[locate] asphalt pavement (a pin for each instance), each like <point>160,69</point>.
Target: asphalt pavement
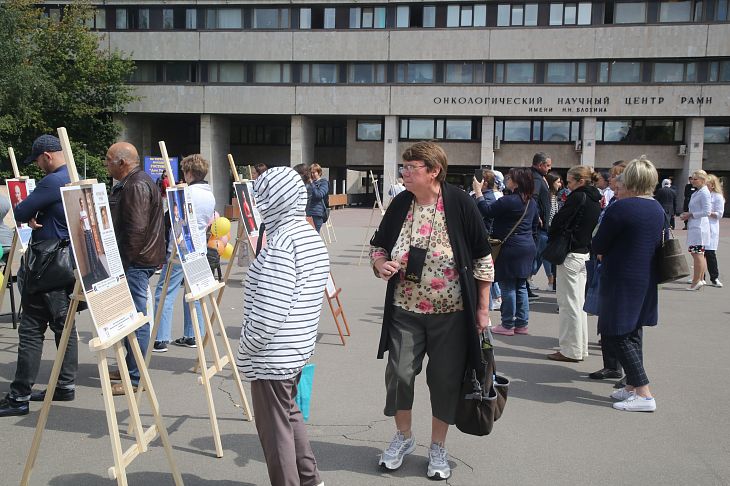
<point>558,426</point>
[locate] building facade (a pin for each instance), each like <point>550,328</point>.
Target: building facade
<point>350,85</point>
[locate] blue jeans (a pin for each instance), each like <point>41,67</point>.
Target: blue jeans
<point>318,222</point>
<point>494,293</point>
<point>542,240</point>
<point>164,331</point>
<point>138,279</point>
<point>515,305</point>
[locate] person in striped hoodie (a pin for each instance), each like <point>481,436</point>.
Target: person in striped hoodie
<point>282,304</point>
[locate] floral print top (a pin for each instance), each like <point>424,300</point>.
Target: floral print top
<point>439,291</point>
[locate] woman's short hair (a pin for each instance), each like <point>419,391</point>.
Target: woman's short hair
<point>551,177</point>
<point>260,168</point>
<point>525,184</point>
<point>618,167</point>
<point>197,165</point>
<point>431,154</point>
<point>640,177</point>
<point>583,173</point>
<point>716,183</point>
<point>700,174</point>
<point>315,167</point>
<point>489,178</point>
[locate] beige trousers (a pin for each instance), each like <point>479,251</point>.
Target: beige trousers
<point>571,288</point>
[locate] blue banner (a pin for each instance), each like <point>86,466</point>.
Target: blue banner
<point>155,166</point>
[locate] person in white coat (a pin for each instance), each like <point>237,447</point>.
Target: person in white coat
<point>698,234</point>
<point>718,207</point>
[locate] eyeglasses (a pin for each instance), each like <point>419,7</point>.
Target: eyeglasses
<point>409,168</point>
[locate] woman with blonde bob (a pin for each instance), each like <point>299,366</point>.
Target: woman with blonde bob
<point>626,242</point>
<point>718,207</point>
<point>698,226</point>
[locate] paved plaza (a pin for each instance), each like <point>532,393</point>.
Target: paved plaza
<point>558,427</point>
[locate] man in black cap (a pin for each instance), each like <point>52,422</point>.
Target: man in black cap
<point>43,211</point>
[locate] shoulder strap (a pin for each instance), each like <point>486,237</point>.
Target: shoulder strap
<point>518,221</point>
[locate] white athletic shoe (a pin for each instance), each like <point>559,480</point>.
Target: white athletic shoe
<point>438,463</point>
<point>636,403</point>
<point>399,447</point>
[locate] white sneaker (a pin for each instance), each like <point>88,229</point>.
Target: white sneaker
<point>399,447</point>
<point>716,283</point>
<point>621,394</point>
<point>636,403</point>
<point>438,462</point>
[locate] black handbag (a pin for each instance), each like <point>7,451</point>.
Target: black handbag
<point>47,265</point>
<point>670,260</point>
<point>483,394</point>
<point>558,247</point>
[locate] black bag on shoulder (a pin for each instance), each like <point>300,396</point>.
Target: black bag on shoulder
<point>558,247</point>
<point>483,394</point>
<point>47,265</point>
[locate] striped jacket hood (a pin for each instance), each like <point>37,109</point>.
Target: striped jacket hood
<point>281,197</point>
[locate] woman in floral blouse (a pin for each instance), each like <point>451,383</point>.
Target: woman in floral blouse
<point>432,249</point>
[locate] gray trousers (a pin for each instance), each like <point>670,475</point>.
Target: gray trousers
<point>289,457</point>
<point>412,336</point>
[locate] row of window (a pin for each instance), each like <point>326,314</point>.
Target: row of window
<point>589,72</point>
<point>405,16</point>
<point>629,131</point>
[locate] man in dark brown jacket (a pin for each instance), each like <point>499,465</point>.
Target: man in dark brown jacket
<point>136,207</point>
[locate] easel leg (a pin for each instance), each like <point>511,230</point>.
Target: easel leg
<point>7,274</point>
<point>149,390</point>
<point>367,232</point>
<point>203,367</point>
<point>118,472</point>
<point>55,371</point>
<point>342,313</point>
<point>337,321</point>
<point>232,360</point>
<point>160,305</point>
<point>134,423</point>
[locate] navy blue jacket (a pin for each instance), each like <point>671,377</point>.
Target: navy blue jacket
<point>488,199</point>
<point>628,237</point>
<point>315,205</point>
<point>44,204</point>
<point>518,252</point>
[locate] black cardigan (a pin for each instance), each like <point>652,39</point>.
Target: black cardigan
<point>469,242</point>
<point>587,218</point>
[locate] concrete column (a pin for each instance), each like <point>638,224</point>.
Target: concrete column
<point>303,135</point>
<point>391,157</point>
<point>486,156</point>
<point>588,137</point>
<point>215,143</point>
<point>695,140</point>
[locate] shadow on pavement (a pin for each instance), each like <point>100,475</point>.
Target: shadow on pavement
<point>155,478</point>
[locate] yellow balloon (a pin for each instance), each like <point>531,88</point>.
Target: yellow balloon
<point>227,252</point>
<point>220,227</point>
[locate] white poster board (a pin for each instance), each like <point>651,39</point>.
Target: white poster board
<point>189,241</point>
<point>18,191</point>
<point>98,261</point>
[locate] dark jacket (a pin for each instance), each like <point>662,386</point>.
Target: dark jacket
<point>518,252</point>
<point>541,195</point>
<point>44,204</point>
<point>581,224</point>
<point>136,207</point>
<point>628,237</point>
<point>488,199</point>
<point>689,189</point>
<point>316,202</point>
<point>468,241</point>
<point>668,199</point>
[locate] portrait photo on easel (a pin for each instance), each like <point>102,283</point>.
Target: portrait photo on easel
<point>18,191</point>
<point>247,205</point>
<point>180,219</point>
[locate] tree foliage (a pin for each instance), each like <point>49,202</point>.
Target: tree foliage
<point>57,73</point>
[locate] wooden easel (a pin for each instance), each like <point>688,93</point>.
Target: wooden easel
<point>15,246</point>
<point>376,205</point>
<point>333,299</point>
<point>122,458</point>
<point>219,362</point>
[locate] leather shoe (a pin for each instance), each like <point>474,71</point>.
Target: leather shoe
<point>10,407</point>
<point>604,373</point>
<point>59,395</point>
<point>115,375</point>
<point>558,356</point>
<point>118,389</point>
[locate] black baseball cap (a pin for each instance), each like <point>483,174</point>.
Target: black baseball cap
<point>44,143</point>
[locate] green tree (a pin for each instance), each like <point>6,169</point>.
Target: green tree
<point>56,73</point>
